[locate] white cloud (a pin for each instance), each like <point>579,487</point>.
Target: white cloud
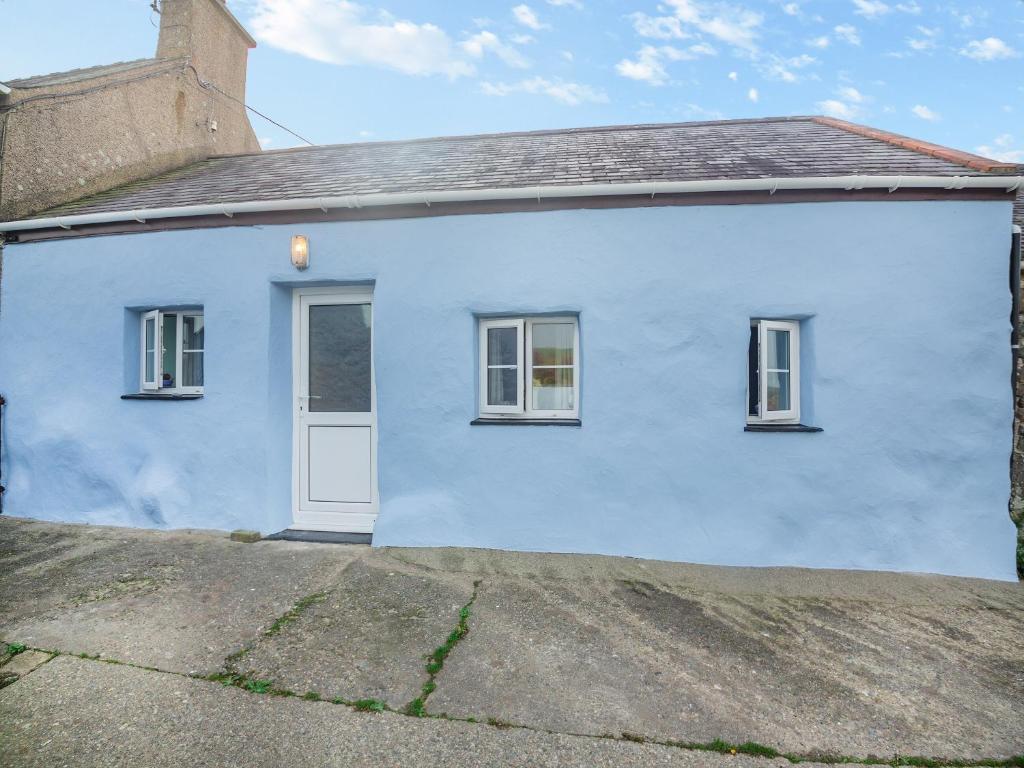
<point>924,113</point>
<point>753,95</point>
<point>848,106</point>
<point>649,64</point>
<point>734,76</point>
<point>873,9</point>
<point>989,49</point>
<point>780,68</point>
<point>791,9</point>
<point>265,141</point>
<point>340,32</point>
<point>571,3</point>
<point>525,15</point>
<point>870,9</point>
<point>836,108</point>
<point>819,42</point>
<point>731,24</point>
<point>522,39</point>
<point>849,93</point>
<point>1002,149</point>
<point>920,44</point>
<point>658,27</point>
<point>848,33</point>
<point>483,42</point>
<point>567,55</point>
<point>569,93</point>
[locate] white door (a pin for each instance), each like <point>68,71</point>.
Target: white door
<point>335,471</point>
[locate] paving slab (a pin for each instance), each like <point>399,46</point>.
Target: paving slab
<point>177,600</point>
<point>78,713</point>
<point>369,636</point>
<point>902,672</point>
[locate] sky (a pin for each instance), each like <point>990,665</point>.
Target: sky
<point>336,71</point>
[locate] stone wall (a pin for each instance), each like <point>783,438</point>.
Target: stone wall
<point>67,136</point>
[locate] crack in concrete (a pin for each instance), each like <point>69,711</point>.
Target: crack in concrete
<point>722,747</point>
<point>435,661</point>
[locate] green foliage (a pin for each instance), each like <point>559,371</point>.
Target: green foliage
<point>13,649</point>
<point>294,612</point>
<point>370,705</point>
<point>759,750</point>
<point>416,707</point>
<point>311,696</point>
<point>1020,557</point>
<point>436,659</point>
<point>258,686</point>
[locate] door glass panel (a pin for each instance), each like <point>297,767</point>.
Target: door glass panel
<point>339,358</point>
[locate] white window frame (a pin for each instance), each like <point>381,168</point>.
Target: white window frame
<point>502,410</point>
<point>523,409</point>
<point>792,414</point>
<point>154,385</point>
<point>150,385</point>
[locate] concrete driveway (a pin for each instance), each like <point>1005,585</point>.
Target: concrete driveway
<point>185,648</point>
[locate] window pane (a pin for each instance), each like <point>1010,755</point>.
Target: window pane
<point>778,349</point>
<point>501,386</point>
<point>191,369</point>
<point>552,389</point>
<point>169,352</point>
<point>753,382</point>
<point>150,349</point>
<point>192,332</point>
<point>552,343</point>
<point>501,347</point>
<point>339,358</point>
<point>778,392</point>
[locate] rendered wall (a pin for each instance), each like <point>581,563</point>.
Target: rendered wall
<point>906,366</point>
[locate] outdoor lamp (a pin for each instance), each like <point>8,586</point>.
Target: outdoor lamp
<point>300,251</point>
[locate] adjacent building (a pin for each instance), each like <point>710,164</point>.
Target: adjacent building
<point>67,135</point>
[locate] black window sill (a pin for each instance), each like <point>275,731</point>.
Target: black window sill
<point>781,428</point>
<point>528,422</point>
<point>160,396</point>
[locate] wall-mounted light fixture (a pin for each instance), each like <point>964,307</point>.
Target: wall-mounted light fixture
<point>300,251</point>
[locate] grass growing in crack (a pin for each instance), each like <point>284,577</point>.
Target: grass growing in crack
<point>369,705</point>
<point>435,661</point>
<point>293,613</point>
<point>258,686</point>
<point>416,709</point>
<point>13,649</point>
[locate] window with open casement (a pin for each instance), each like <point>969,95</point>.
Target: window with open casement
<point>172,349</point>
<point>773,382</point>
<point>529,368</point>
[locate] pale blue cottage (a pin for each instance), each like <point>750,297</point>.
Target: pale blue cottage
<point>752,342</point>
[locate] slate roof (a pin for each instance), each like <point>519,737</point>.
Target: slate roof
<point>732,149</point>
<point>77,75</point>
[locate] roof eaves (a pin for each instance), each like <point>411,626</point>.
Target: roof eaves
<point>975,162</point>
